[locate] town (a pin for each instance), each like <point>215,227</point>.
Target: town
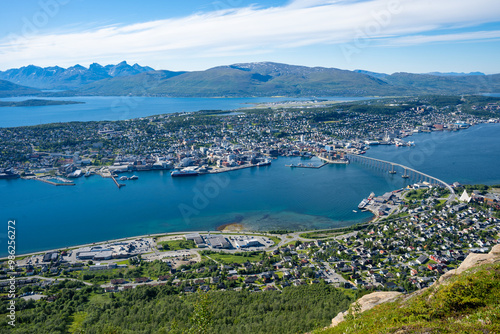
<point>408,250</point>
<point>218,141</point>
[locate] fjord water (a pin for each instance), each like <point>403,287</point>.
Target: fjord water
<point>273,197</point>
<point>265,198</point>
<point>113,108</point>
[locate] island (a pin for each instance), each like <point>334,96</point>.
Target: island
<point>36,103</point>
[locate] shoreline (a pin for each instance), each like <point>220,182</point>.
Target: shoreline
<point>154,235</point>
<point>222,229</point>
<point>219,229</point>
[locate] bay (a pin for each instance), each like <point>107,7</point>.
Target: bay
<point>264,198</point>
<point>469,156</point>
<point>113,108</point>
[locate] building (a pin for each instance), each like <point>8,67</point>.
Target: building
<point>217,241</point>
<point>196,237</point>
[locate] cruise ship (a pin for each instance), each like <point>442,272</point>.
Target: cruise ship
<point>9,175</point>
<point>363,203</point>
<point>176,173</point>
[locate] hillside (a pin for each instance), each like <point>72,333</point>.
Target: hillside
<point>243,80</point>
<point>275,79</point>
<point>140,84</point>
<point>465,300</point>
<point>252,79</point>
<point>8,88</point>
<point>452,84</point>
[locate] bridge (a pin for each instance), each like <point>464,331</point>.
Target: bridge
<point>407,172</point>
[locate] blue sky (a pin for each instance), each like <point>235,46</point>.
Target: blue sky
<point>377,35</point>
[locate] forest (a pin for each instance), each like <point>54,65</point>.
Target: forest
<point>161,309</point>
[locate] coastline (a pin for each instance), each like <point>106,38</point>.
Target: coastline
<point>155,235</point>
<point>231,227</point>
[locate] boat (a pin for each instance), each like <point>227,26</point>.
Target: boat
<point>123,178</point>
<point>134,177</point>
<point>76,174</point>
<point>177,173</point>
<point>363,203</point>
<point>9,175</point>
<point>264,163</point>
<point>354,211</point>
<point>88,173</point>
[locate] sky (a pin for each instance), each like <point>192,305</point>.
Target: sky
<point>388,36</point>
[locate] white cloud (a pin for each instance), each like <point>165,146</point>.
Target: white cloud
<point>466,36</point>
<point>253,30</point>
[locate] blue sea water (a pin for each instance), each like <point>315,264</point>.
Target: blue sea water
<point>264,198</point>
<point>113,108</point>
<point>467,156</point>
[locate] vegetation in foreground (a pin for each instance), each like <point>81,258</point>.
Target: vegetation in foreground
<point>161,310</point>
<point>468,303</point>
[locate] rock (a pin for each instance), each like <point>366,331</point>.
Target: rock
<point>473,260</point>
<point>367,302</point>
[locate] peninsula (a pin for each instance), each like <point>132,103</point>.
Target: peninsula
<point>35,103</point>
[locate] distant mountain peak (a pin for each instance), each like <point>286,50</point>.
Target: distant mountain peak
<point>56,77</point>
<point>454,73</point>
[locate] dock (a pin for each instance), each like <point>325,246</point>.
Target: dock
<point>64,183</point>
<point>119,185</point>
<point>337,161</point>
<point>306,166</point>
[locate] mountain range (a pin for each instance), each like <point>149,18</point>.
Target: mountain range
<point>243,80</point>
<point>68,78</point>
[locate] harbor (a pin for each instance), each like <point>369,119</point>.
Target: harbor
<point>62,181</point>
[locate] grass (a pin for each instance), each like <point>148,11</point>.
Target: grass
<point>321,235</point>
<point>234,258</point>
<point>76,325</point>
<point>415,194</point>
<point>174,245</point>
<point>100,299</point>
<point>468,303</point>
<point>276,240</point>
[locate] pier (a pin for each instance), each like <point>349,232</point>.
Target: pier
<point>63,183</point>
<point>119,185</point>
<point>337,161</point>
<point>307,166</point>
<point>407,172</point>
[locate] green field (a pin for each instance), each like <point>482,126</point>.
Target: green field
<point>234,258</point>
<point>174,245</point>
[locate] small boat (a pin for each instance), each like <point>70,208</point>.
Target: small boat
<point>123,178</point>
<point>354,211</point>
<point>134,177</point>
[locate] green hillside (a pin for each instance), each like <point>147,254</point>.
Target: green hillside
<point>160,309</point>
<point>137,85</point>
<point>8,88</point>
<point>432,84</point>
<point>467,303</point>
<point>275,79</point>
